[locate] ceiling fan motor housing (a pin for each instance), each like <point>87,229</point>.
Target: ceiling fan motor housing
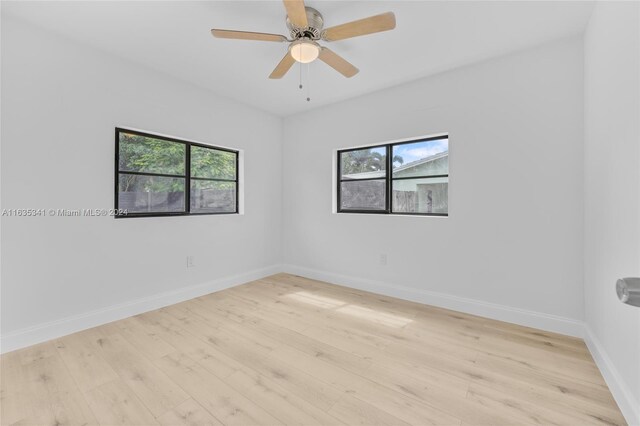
<point>313,30</point>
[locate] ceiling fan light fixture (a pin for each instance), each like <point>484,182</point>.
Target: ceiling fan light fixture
<point>304,50</point>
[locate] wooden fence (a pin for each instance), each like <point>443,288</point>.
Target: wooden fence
<point>202,199</point>
<point>369,195</point>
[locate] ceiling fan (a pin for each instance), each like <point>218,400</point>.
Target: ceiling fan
<point>306,28</point>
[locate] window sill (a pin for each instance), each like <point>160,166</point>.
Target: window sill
<point>138,215</point>
<point>436,215</point>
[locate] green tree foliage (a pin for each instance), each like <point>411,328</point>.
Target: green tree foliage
<point>365,160</point>
<point>150,155</point>
<point>212,163</point>
<point>144,154</point>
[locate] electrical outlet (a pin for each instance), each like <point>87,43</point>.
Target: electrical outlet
<point>383,259</point>
<point>191,262</point>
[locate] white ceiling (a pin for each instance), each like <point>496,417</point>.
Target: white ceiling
<point>431,36</point>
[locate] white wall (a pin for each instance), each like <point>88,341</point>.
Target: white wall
<point>60,104</point>
<point>517,224</point>
<point>515,231</point>
<point>612,195</point>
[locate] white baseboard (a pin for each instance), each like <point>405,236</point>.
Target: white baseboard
<point>58,328</point>
<point>620,391</point>
<point>524,317</point>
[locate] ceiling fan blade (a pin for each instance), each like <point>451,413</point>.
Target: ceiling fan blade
<point>247,35</point>
<point>285,64</point>
<point>337,62</point>
<point>373,24</point>
<point>296,12</point>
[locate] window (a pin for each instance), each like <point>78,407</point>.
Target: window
<point>409,177</point>
<point>162,176</point>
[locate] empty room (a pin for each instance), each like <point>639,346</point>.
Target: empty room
<point>313,212</point>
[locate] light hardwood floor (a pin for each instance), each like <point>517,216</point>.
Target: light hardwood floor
<point>288,350</point>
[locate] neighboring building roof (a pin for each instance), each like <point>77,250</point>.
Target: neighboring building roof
<point>381,173</point>
<point>422,161</point>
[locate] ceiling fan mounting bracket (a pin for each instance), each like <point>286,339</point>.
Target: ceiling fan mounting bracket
<point>312,31</point>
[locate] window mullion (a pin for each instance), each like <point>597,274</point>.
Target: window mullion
<point>213,179</point>
<point>167,175</point>
<point>187,180</point>
<point>339,180</point>
<point>237,182</point>
<point>389,189</point>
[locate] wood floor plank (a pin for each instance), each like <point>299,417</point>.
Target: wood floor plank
<point>145,341</point>
<point>189,413</point>
<point>503,373</point>
<point>410,410</point>
<point>36,352</point>
<point>156,391</point>
<point>284,314</point>
<point>287,407</point>
<point>190,344</point>
<point>356,412</point>
<point>13,404</point>
<point>533,364</point>
<point>290,350</point>
<point>113,403</point>
<point>396,394</point>
<point>530,410</point>
<point>216,396</point>
<point>19,370</point>
<point>328,353</point>
<point>62,408</point>
<point>84,362</point>
<point>226,305</point>
<point>553,360</point>
<point>583,411</point>
<point>298,382</point>
<point>546,337</point>
<point>295,381</point>
<point>346,295</point>
<point>40,390</point>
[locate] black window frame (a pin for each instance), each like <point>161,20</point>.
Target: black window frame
<point>388,178</point>
<point>187,176</point>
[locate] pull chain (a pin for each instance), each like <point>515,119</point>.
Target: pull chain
<point>308,82</point>
<point>300,86</point>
